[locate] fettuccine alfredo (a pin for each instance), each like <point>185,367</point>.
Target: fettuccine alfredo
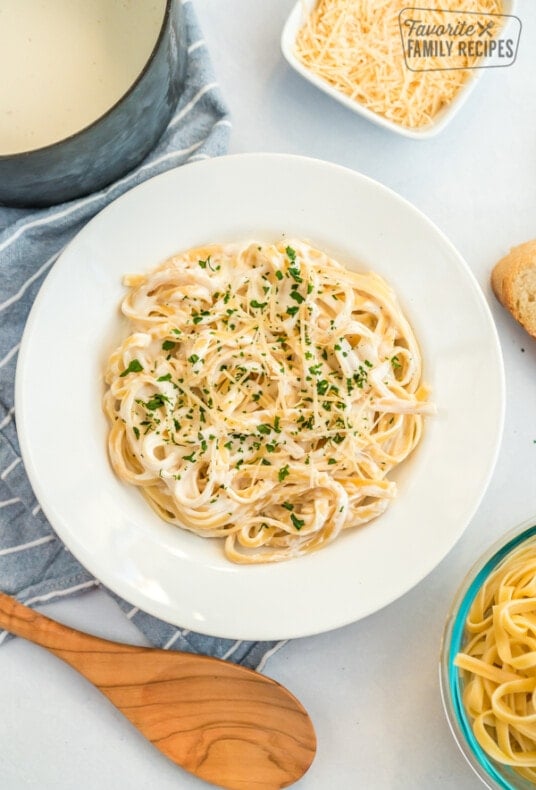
<point>263,395</point>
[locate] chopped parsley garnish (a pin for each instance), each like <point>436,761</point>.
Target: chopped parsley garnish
<point>198,317</point>
<point>283,472</point>
<point>264,428</point>
<point>193,358</point>
<point>190,457</point>
<point>298,522</point>
<point>206,263</point>
<point>167,345</point>
<point>258,305</point>
<point>395,362</point>
<point>288,505</point>
<point>158,399</point>
<point>296,295</point>
<point>295,274</point>
<point>134,366</point>
<point>322,386</point>
<point>291,254</point>
<point>292,310</point>
<point>361,377</point>
<point>136,432</point>
<point>167,377</point>
<point>331,461</point>
<point>279,274</point>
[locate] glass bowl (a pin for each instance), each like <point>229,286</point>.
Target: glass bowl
<point>492,773</point>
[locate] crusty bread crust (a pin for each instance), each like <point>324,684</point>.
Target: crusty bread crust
<point>513,280</point>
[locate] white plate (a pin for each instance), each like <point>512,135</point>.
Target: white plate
<point>181,577</point>
<point>294,23</point>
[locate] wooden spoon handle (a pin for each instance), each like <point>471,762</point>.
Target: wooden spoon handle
<point>22,621</point>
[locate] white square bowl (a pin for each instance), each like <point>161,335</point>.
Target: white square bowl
<point>293,25</point>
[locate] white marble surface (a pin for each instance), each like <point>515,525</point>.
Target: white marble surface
<point>371,688</point>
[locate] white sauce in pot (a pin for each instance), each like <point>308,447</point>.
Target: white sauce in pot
<point>64,63</point>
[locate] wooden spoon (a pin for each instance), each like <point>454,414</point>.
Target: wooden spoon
<point>228,725</point>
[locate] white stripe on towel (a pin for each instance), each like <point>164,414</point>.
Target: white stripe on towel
<point>270,653</point>
<point>24,546</point>
<point>8,502</point>
<point>11,353</point>
<point>7,418</point>
<point>191,104</point>
<point>9,468</point>
<point>231,650</point>
<point>196,45</point>
<point>173,639</point>
<point>24,287</point>
<point>60,593</point>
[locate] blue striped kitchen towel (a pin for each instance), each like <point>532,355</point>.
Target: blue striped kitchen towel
<point>34,564</point>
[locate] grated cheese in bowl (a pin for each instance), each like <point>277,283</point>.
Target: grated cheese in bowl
<point>356,47</point>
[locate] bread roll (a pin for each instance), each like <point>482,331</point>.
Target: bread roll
<point>513,280</point>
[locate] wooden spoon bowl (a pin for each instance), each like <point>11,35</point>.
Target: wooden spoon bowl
<point>224,723</point>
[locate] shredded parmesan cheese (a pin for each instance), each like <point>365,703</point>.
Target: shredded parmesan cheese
<point>357,47</point>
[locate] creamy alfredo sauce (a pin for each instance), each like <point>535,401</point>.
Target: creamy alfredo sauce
<point>63,63</point>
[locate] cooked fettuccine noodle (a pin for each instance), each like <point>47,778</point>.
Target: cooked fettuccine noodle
<point>499,663</point>
<point>263,396</point>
